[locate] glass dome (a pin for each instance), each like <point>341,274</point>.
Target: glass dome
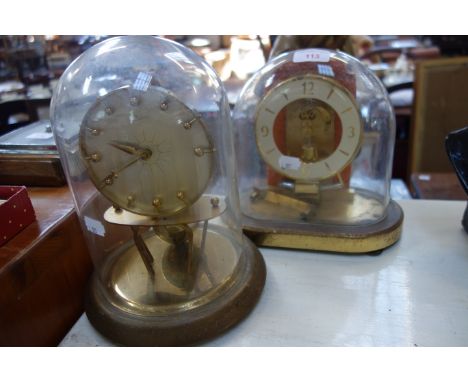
<point>314,137</point>
<point>143,128</point>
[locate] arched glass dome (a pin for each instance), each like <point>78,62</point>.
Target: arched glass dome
<point>314,135</point>
<point>143,128</point>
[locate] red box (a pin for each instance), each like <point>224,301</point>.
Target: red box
<point>16,211</point>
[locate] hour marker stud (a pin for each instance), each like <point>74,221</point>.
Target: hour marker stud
<point>134,101</point>
<point>109,179</point>
<point>157,202</point>
<point>163,105</point>
<point>94,131</point>
<point>254,195</point>
<point>96,157</point>
<point>199,151</point>
<point>181,195</point>
<point>188,125</point>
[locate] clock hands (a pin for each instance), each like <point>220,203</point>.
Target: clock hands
<point>129,149</point>
<point>132,149</point>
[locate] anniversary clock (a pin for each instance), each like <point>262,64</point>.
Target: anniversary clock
<point>142,125</point>
<point>315,134</point>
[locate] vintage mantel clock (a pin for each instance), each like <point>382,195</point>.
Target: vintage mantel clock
<point>143,129</point>
<point>314,139</point>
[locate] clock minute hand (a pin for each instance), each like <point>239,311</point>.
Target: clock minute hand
<point>127,148</point>
<point>109,179</point>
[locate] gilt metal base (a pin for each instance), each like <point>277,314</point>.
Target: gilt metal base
<point>174,323</point>
<point>330,238</point>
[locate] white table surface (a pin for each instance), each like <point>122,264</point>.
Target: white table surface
<point>413,294</point>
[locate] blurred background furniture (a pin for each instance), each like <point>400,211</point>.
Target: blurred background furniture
<point>437,185</point>
<point>24,60</point>
<point>29,156</point>
<point>441,94</point>
<point>13,114</point>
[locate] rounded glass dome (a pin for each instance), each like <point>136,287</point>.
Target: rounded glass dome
<point>142,125</point>
<point>314,136</point>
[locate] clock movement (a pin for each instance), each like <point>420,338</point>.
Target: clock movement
<point>143,129</point>
<point>315,134</point>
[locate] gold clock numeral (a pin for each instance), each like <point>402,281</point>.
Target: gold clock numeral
<point>264,130</point>
<point>351,132</point>
<point>328,166</point>
<point>308,87</point>
<point>331,92</point>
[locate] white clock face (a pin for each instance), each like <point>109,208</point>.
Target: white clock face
<point>146,152</point>
<point>324,122</point>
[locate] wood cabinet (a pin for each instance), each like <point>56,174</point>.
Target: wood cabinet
<point>43,273</point>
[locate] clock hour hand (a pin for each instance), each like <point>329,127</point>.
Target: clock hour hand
<point>132,149</point>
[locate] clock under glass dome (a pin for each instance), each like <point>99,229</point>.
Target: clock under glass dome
<point>143,128</point>
<point>314,136</point>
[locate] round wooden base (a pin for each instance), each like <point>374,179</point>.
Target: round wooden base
<point>187,326</point>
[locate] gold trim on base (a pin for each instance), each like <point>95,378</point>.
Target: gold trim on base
<point>344,239</point>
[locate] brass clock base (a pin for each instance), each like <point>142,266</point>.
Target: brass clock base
<point>332,238</point>
<point>173,322</point>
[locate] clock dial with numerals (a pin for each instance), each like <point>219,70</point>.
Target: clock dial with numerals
<point>146,151</point>
<point>321,132</point>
